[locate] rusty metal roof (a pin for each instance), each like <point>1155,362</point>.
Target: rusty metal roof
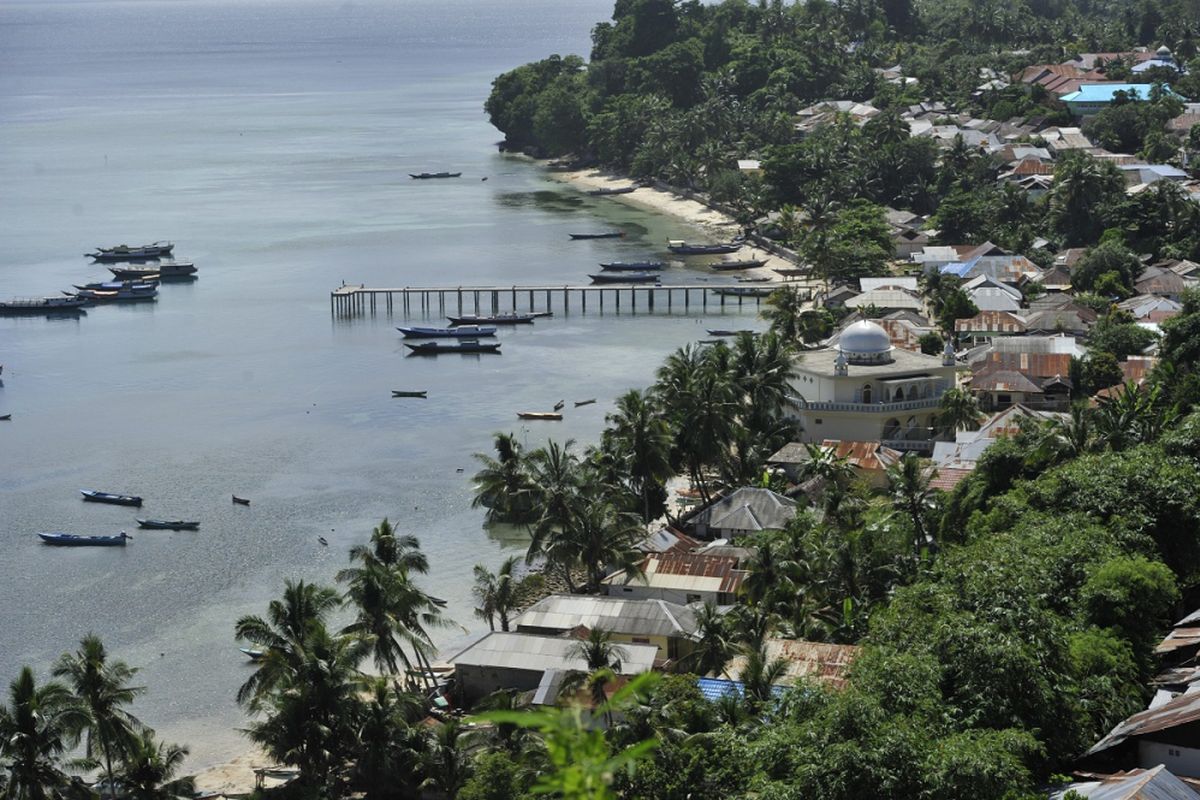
<point>1136,784</point>
<point>863,455</point>
<point>991,322</point>
<point>1183,710</point>
<point>1179,639</point>
<point>948,477</point>
<point>684,571</point>
<point>1003,380</point>
<point>826,663</point>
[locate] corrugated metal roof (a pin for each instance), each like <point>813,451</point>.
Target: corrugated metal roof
<point>949,477</point>
<point>714,689</point>
<point>991,322</point>
<point>826,663</point>
<point>619,615</point>
<point>529,652</point>
<point>1179,639</point>
<point>685,572</point>
<point>748,509</point>
<point>1183,710</point>
<point>1152,784</point>
<point>862,455</point>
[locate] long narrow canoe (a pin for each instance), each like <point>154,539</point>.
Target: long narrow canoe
<point>684,249</point>
<point>547,415</point>
<point>241,501</point>
<point>168,524</point>
<point>495,319</point>
<point>464,346</point>
<point>73,540</point>
<point>603,235</point>
<point>625,277</point>
<point>424,176</point>
<point>93,496</point>
<point>402,393</point>
<point>457,332</point>
<point>741,263</point>
<point>631,266</point>
<point>605,191</point>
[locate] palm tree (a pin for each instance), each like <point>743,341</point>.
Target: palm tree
<point>388,744</point>
<point>447,764</point>
<point>282,636</point>
<point>502,485</point>
<point>556,477</point>
<point>763,368</point>
<point>148,770</point>
<point>598,650</point>
<point>760,675</point>
<point>1065,438</point>
<point>495,593</point>
<point>695,386</point>
<point>784,307</point>
<point>392,610</point>
<point>600,536</point>
<point>103,690</point>
<point>714,646</point>
<point>959,411</point>
<point>908,482</point>
<point>643,436</point>
<point>37,726</point>
<point>311,710</point>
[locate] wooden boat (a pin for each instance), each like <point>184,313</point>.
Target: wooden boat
<point>604,235</point>
<point>165,269</point>
<point>5,417</point>
<point>723,332</point>
<point>606,191</point>
<point>253,654</point>
<point>579,403</point>
<point>540,314</point>
<point>92,496</point>
<point>741,263</point>
<point>324,542</point>
<point>457,332</point>
<point>625,277</point>
<point>559,405</point>
<point>743,291</point>
<point>631,266</point>
<point>682,248</point>
<point>114,286</point>
<point>493,319</point>
<point>74,540</point>
<point>168,525</point>
<point>403,393</point>
<point>748,279</point>
<point>241,501</point>
<point>133,294</point>
<point>424,176</point>
<point>462,346</point>
<point>546,415</point>
<point>43,305</point>
<point>124,252</point>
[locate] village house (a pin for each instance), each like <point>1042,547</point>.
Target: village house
<point>1092,98</point>
<point>863,389</point>
<point>822,663</point>
<point>518,661</point>
<point>989,294</point>
<point>885,299</point>
<point>1156,783</point>
<point>743,512</point>
<point>1036,380</point>
<point>1160,281</point>
<point>987,325</point>
<point>964,452</point>
<point>669,627</point>
<point>1168,734</point>
<point>680,578</point>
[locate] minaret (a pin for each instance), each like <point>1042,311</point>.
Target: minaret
<point>841,367</point>
<point>949,357</point>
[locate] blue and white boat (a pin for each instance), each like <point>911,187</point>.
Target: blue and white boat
<point>74,540</point>
<point>459,332</point>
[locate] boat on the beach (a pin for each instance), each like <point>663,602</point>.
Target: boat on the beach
<point>92,496</point>
<point>546,415</point>
<point>740,263</point>
<point>631,266</point>
<point>164,269</point>
<point>495,319</point>
<point>682,248</point>
<point>579,403</point>
<point>625,277</point>
<point>602,235</point>
<point>748,279</point>
<point>74,540</point>
<point>253,654</point>
<point>606,191</point>
<point>462,346</point>
<point>168,524</point>
<point>241,501</point>
<point>743,291</point>
<point>124,252</point>
<point>403,393</point>
<point>457,332</point>
<point>424,176</point>
<point>43,305</point>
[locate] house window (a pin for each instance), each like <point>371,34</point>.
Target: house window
<point>691,598</point>
<point>626,589</point>
<point>818,421</point>
<point>899,394</point>
<point>1004,399</point>
<point>866,393</point>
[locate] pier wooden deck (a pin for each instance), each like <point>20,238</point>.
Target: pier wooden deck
<point>351,301</point>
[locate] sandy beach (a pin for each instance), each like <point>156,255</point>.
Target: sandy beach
<point>714,224</point>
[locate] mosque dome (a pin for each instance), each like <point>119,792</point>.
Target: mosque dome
<point>865,343</point>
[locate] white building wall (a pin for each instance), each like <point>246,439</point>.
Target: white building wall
<point>1183,761</point>
<point>641,592</point>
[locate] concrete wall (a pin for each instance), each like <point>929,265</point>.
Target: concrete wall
<point>476,682</point>
<point>639,592</point>
<point>1183,761</point>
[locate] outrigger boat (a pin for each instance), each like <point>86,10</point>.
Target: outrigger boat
<point>74,540</point>
<point>625,277</point>
<point>91,495</point>
<point>43,305</point>
<point>168,525</point>
<point>463,346</point>
<point>605,235</point>
<point>457,332</point>
<point>124,252</point>
<point>682,248</point>
<point>424,176</point>
<point>495,319</point>
<point>546,415</point>
<point>631,266</point>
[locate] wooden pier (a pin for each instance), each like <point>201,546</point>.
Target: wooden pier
<point>353,301</point>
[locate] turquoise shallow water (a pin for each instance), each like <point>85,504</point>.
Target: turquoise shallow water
<point>272,141</point>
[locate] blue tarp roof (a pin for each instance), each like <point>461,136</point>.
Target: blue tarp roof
<point>1103,92</point>
<point>959,268</point>
<point>716,688</point>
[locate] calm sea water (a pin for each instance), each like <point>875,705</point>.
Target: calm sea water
<point>271,141</point>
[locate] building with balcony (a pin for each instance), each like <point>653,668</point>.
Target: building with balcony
<point>863,389</point>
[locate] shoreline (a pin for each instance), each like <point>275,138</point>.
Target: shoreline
<point>716,224</point>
